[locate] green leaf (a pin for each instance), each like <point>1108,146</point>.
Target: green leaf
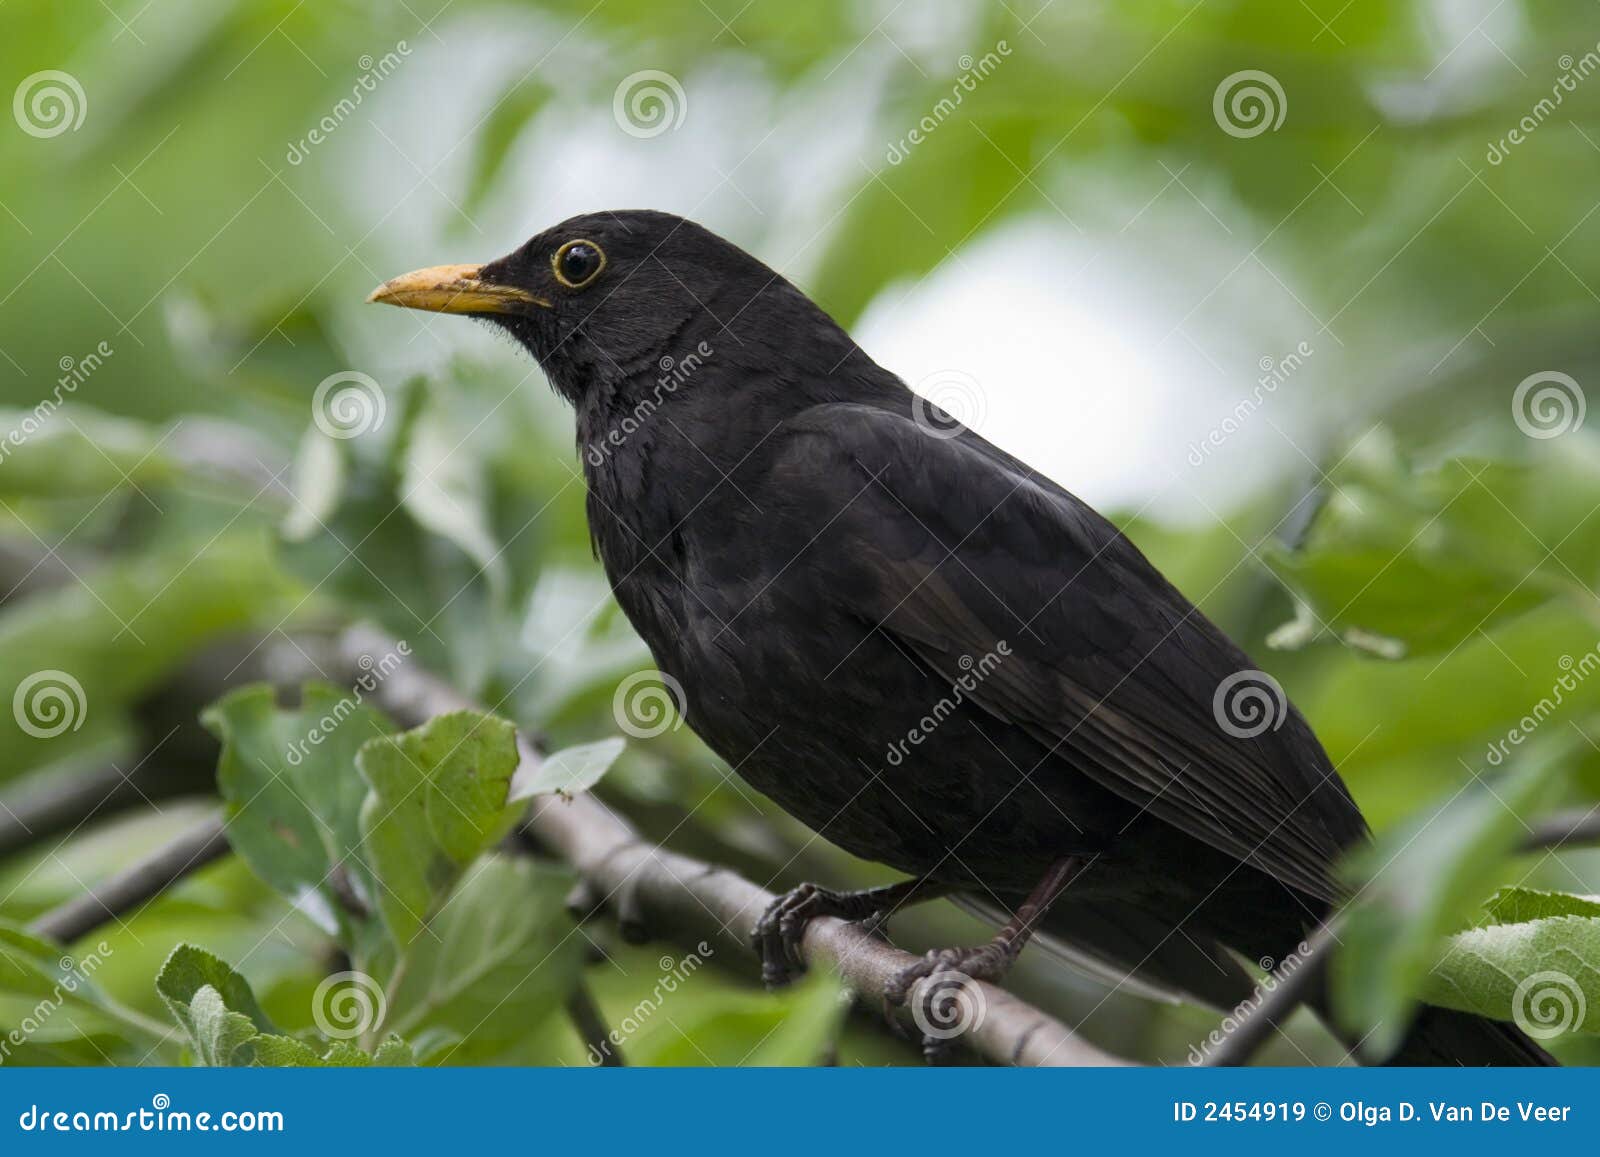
<point>1417,884</point>
<point>76,452</point>
<point>1543,974</point>
<point>286,1052</point>
<point>214,1004</point>
<point>294,797</point>
<point>502,956</point>
<point>1519,905</point>
<point>728,1026</point>
<point>570,770</point>
<point>46,977</point>
<point>1405,561</point>
<point>439,799</point>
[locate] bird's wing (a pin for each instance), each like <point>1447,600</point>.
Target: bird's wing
<point>959,552</point>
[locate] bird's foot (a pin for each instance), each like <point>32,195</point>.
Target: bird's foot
<point>782,928</point>
<point>941,988</point>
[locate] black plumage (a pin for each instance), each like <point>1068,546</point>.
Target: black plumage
<point>928,652</point>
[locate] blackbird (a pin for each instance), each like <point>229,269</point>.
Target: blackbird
<point>925,650</point>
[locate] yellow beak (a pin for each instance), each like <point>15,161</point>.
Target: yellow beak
<point>453,289</point>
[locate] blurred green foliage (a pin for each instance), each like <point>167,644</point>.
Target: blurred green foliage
<point>185,270</point>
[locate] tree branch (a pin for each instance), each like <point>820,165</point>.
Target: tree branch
<point>200,845</point>
<point>1279,1002</point>
<point>654,890</point>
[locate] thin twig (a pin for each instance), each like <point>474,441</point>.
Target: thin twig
<point>1577,826</point>
<point>591,1025</point>
<point>1288,992</point>
<point>187,853</point>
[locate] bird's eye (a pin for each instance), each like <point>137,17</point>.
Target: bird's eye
<point>577,263</point>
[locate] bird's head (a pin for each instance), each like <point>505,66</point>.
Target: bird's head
<point>604,300</point>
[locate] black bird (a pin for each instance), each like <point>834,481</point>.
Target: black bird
<point>925,650</point>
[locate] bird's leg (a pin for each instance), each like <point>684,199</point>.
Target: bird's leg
<point>782,927</point>
<point>951,968</point>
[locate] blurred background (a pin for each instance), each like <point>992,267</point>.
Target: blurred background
<point>1304,294</point>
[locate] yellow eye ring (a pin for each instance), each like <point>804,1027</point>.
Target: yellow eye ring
<point>582,269</point>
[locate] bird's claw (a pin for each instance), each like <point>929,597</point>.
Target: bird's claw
<point>946,1006</point>
<point>780,932</point>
